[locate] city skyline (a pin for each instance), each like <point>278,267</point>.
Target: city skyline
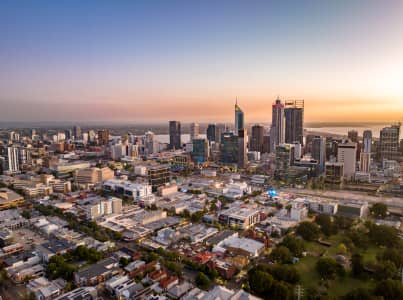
<point>104,62</point>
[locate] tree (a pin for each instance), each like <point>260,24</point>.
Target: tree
<point>123,262</point>
<point>392,254</point>
<point>287,273</point>
<point>26,214</point>
<point>280,291</point>
<point>281,254</point>
<point>295,245</point>
<point>328,268</point>
<point>341,249</point>
<point>202,281</point>
<point>326,224</point>
<point>357,264</point>
<point>308,231</point>
<point>389,289</point>
<point>379,210</point>
<point>383,235</point>
<point>260,282</point>
<point>343,222</point>
<point>385,270</point>
<point>358,294</point>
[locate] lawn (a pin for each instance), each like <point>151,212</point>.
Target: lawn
<point>339,287</point>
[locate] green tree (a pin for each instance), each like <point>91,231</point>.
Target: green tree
<point>379,210</point>
<point>386,270</point>
<point>202,281</point>
<point>326,224</point>
<point>328,268</point>
<point>392,254</point>
<point>383,235</point>
<point>294,244</point>
<point>358,294</point>
<point>281,254</point>
<point>357,264</point>
<point>308,231</point>
<point>281,291</point>
<point>389,289</point>
<point>260,282</point>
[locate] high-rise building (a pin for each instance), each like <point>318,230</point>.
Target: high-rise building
<point>150,145</point>
<point>367,141</point>
<point>266,144</point>
<point>77,132</point>
<point>175,135</point>
<point>229,148</point>
<point>346,154</point>
<point>353,135</point>
<point>103,137</point>
<point>284,159</point>
<point>200,152</point>
<point>242,148</point>
<point>11,161</point>
<point>277,131</point>
<point>194,131</point>
<point>158,175</point>
<point>365,155</point>
<point>69,134</point>
<point>213,133</point>
<point>239,118</point>
<point>294,121</point>
<point>319,151</point>
<point>389,143</point>
<point>256,141</point>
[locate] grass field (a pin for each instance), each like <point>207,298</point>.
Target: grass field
<point>340,286</point>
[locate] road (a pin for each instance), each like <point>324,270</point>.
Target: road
<point>394,203</point>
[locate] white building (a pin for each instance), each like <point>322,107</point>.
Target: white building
<point>127,188</point>
<point>346,154</point>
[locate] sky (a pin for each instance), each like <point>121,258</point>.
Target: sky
<point>153,61</point>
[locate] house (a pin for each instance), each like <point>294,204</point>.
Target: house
<point>97,273</point>
<point>81,293</point>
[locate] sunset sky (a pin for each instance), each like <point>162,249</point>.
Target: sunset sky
<point>146,61</point>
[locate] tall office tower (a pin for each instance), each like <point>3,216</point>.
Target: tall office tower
<point>277,131</point>
<point>239,121</point>
<point>103,137</point>
<point>242,148</point>
<point>294,121</point>
<point>346,154</point>
<point>365,155</point>
<point>33,132</point>
<point>367,141</point>
<point>150,143</point>
<point>200,152</point>
<point>256,141</point>
<point>92,136</point>
<point>319,151</point>
<point>24,156</point>
<point>77,132</point>
<point>14,136</point>
<point>194,131</point>
<point>11,161</point>
<point>175,135</point>
<point>266,144</point>
<point>229,148</point>
<point>212,133</point>
<point>284,159</point>
<point>353,136</point>
<point>69,134</point>
<point>389,142</point>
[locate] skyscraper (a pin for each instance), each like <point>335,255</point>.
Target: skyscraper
<point>150,143</point>
<point>213,133</point>
<point>200,152</point>
<point>194,131</point>
<point>229,148</point>
<point>103,137</point>
<point>277,131</point>
<point>365,155</point>
<point>175,135</point>
<point>242,148</point>
<point>77,132</point>
<point>389,142</point>
<point>294,121</point>
<point>256,141</point>
<point>353,135</point>
<point>239,118</point>
<point>346,154</point>
<point>11,163</point>
<point>319,151</point>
